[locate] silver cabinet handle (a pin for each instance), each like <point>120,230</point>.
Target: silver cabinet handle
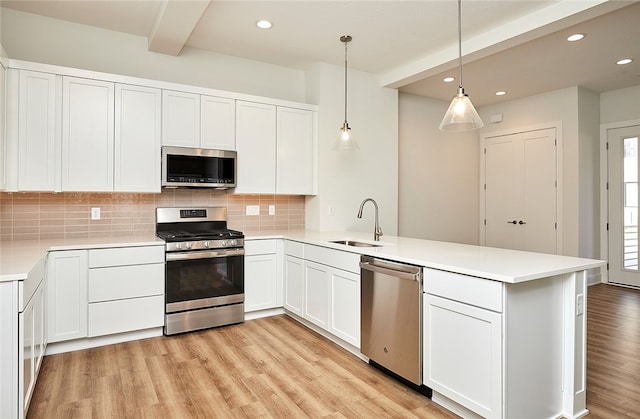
<point>521,222</point>
<point>512,222</point>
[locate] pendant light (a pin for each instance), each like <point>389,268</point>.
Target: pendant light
<point>345,139</point>
<point>461,115</point>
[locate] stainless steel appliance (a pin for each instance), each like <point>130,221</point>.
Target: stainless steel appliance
<point>391,313</point>
<point>198,168</point>
<point>204,269</point>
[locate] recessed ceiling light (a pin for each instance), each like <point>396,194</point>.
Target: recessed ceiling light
<point>448,79</point>
<point>575,37</point>
<point>501,93</point>
<point>264,24</point>
<point>624,61</point>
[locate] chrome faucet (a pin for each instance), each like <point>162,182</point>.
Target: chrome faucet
<point>377,231</point>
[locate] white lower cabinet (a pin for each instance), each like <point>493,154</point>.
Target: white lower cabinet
<point>462,357</point>
<point>322,286</point>
<point>262,278</point>
<point>125,290</point>
<point>462,340</point>
<point>294,284</point>
<point>67,295</point>
<point>22,340</point>
<point>316,295</point>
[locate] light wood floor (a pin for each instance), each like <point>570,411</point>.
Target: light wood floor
<point>275,367</point>
<point>272,367</point>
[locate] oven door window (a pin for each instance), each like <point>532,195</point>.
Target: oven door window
<point>197,279</point>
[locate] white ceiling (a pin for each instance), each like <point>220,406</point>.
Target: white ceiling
<point>518,46</point>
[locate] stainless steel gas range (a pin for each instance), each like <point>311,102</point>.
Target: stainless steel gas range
<point>204,269</point>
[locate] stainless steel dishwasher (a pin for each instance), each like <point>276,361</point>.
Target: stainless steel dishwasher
<point>391,316</point>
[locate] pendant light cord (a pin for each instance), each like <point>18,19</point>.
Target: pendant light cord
<point>460,40</point>
<point>345,78</point>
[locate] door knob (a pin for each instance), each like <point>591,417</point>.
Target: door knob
<point>512,222</point>
<point>520,222</point>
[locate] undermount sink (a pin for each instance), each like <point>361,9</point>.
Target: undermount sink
<point>355,243</point>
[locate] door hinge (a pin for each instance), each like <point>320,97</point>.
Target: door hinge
<point>485,221</point>
<point>607,185</point>
<point>555,142</point>
<point>607,266</point>
<point>555,182</point>
<point>555,226</point>
<point>607,145</point>
<point>485,150</point>
<point>485,186</point>
<point>607,226</point>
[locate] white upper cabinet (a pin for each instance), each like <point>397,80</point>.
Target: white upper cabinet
<point>180,119</point>
<point>275,149</point>
<point>294,155</point>
<point>138,124</point>
<point>256,147</point>
<point>87,135</point>
<point>31,131</point>
<point>3,148</point>
<point>217,123</point>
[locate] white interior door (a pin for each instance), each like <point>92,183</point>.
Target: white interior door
<point>521,191</point>
<point>622,171</point>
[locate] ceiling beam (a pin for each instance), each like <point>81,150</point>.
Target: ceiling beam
<point>174,23</point>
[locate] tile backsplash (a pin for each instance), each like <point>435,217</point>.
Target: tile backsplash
<point>31,215</point>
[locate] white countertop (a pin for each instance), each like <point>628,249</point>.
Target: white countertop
<point>503,265</point>
<point>17,258</point>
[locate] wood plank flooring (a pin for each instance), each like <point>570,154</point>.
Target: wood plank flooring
<point>277,368</point>
<point>268,368</point>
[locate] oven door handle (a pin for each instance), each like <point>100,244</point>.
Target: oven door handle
<point>207,254</point>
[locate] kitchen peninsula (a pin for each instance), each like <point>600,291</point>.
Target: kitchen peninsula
<point>503,330</point>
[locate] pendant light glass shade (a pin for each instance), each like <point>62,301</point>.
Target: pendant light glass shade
<point>461,115</point>
<point>345,140</point>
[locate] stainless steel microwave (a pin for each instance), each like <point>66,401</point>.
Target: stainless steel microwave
<point>198,168</point>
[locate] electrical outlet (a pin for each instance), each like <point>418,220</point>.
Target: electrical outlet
<point>272,210</point>
<point>332,210</point>
<point>253,210</point>
<point>579,304</point>
<point>95,213</point>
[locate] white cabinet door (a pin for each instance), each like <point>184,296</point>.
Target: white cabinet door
<point>256,147</point>
<point>66,295</point>
<point>260,283</point>
<point>36,130</point>
<point>3,149</point>
<point>344,306</point>
<point>294,285</point>
<point>463,354</point>
<point>87,135</point>
<point>180,119</point>
<point>137,139</point>
<point>316,295</point>
<point>31,345</point>
<point>294,160</point>
<point>217,123</point>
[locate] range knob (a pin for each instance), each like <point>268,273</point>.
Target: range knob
<point>188,245</point>
<point>207,244</point>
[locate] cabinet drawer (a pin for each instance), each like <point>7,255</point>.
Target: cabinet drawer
<point>259,247</point>
<point>479,292</point>
<point>120,256</point>
<point>346,261</point>
<point>294,249</point>
<point>120,282</point>
<point>125,315</point>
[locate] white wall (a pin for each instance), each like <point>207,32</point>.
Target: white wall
<point>438,175</point>
<point>41,39</point>
<point>347,177</point>
<point>620,105</point>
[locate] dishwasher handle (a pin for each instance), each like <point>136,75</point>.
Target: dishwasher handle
<point>414,275</point>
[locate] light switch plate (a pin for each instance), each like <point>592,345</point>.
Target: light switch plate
<point>95,213</point>
<point>253,210</point>
<point>272,210</point>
